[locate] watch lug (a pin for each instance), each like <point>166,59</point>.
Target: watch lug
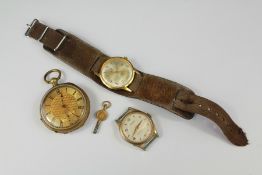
<point>137,72</point>
<point>149,115</point>
<point>143,147</point>
<point>127,89</point>
<point>117,121</point>
<point>97,74</point>
<point>130,109</point>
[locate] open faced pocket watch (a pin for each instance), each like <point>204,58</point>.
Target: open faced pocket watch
<point>137,128</point>
<point>117,73</point>
<point>65,107</point>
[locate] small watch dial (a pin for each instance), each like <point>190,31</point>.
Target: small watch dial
<point>117,73</point>
<point>64,107</point>
<point>136,127</point>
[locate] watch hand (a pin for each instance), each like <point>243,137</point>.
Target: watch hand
<point>137,127</point>
<point>117,67</point>
<point>62,101</point>
<point>73,113</point>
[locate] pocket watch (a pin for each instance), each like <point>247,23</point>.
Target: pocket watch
<point>117,73</point>
<point>65,107</point>
<point>137,128</point>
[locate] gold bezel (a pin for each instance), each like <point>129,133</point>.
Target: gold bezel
<point>143,144</point>
<point>76,125</point>
<point>125,87</point>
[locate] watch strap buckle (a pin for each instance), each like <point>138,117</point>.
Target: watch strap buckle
<point>30,26</point>
<point>50,38</point>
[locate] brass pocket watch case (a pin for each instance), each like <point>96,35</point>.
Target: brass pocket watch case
<point>65,107</point>
<point>137,128</point>
<point>117,73</point>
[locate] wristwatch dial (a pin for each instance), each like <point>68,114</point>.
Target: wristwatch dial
<point>64,108</point>
<point>137,127</point>
<point>117,73</point>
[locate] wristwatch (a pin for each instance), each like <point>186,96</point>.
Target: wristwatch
<point>137,127</point>
<point>117,74</point>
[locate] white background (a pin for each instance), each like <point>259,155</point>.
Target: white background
<point>213,47</point>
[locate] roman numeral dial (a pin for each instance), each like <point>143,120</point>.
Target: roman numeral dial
<point>64,107</point>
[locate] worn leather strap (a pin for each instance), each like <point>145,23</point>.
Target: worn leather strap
<point>153,89</point>
<point>212,111</point>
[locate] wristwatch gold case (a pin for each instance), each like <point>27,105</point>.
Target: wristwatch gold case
<point>117,73</point>
<point>65,107</point>
<point>137,128</point>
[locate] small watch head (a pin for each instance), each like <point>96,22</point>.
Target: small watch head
<point>117,73</point>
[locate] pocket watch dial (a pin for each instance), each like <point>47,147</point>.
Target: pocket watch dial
<point>64,107</point>
<point>117,73</point>
<point>137,127</point>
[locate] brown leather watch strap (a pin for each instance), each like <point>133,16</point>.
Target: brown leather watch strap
<point>156,90</point>
<point>212,111</point>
